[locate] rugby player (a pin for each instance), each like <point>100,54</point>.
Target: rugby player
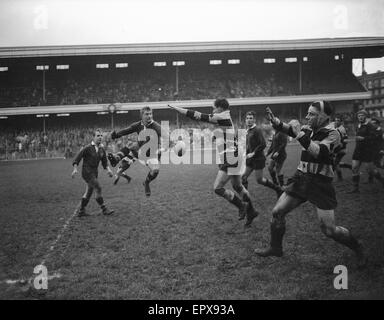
<point>377,149</point>
<point>340,150</point>
<point>153,162</point>
<point>91,155</point>
<point>126,162</point>
<point>365,135</point>
<point>278,155</point>
<point>312,181</point>
<point>255,158</point>
<point>226,144</point>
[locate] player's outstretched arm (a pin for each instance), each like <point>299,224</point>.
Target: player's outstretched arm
<point>279,125</point>
<point>131,129</point>
<point>179,110</point>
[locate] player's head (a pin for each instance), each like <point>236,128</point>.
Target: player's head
<point>250,118</point>
<point>362,115</point>
<point>98,136</point>
<point>220,105</point>
<point>146,115</point>
<point>338,120</point>
<point>319,113</point>
<point>375,122</point>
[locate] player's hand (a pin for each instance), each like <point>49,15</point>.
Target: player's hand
<point>271,117</point>
<point>359,138</point>
<point>274,155</point>
<point>250,155</point>
<point>110,173</point>
<point>74,172</point>
<point>114,135</point>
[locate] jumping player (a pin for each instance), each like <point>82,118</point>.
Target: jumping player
<point>153,162</point>
<point>312,180</point>
<point>278,156</point>
<point>340,150</point>
<point>255,159</point>
<point>91,155</point>
<point>226,145</point>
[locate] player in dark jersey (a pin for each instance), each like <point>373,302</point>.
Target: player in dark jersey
<point>365,135</point>
<point>378,150</point>
<point>278,155</point>
<point>126,162</point>
<point>91,155</point>
<point>149,129</point>
<point>341,149</point>
<point>255,158</point>
<point>228,149</point>
<point>312,181</point>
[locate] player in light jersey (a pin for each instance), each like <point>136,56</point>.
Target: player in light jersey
<point>227,147</point>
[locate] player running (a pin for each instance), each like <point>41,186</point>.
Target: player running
<point>91,155</point>
<point>312,181</point>
<point>126,162</point>
<point>255,158</point>
<point>278,156</point>
<point>340,150</point>
<point>226,145</point>
<point>153,162</point>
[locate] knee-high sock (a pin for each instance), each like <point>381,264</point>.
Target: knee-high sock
<point>281,179</point>
<point>230,196</point>
<point>343,236</point>
<point>84,202</point>
<point>100,201</point>
<point>273,175</point>
<point>356,180</point>
<point>151,176</point>
<point>268,183</point>
<point>277,234</point>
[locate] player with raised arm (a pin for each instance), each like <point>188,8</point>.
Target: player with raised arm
<point>255,158</point>
<point>226,145</point>
<point>153,163</point>
<point>92,154</point>
<point>312,181</point>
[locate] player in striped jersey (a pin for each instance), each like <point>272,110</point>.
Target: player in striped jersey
<point>312,181</point>
<point>227,147</point>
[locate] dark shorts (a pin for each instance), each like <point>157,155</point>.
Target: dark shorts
<point>256,164</point>
<point>362,154</point>
<point>89,177</point>
<point>316,189</point>
<point>280,159</point>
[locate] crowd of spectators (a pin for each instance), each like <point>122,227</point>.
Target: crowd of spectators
<point>160,85</point>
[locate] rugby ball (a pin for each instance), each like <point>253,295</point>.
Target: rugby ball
<point>180,148</point>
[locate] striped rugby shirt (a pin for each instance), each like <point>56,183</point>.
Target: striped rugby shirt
<point>226,139</point>
<point>327,139</point>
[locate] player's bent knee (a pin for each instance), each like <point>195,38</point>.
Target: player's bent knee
<point>238,188</point>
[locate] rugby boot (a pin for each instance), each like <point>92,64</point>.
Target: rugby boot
<point>114,160</point>
<point>251,215</point>
<point>117,178</point>
<point>147,189</point>
<point>243,210</point>
<point>106,211</point>
<point>128,178</point>
<point>276,245</point>
<point>80,212</point>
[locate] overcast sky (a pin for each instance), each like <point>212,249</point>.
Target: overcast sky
<point>58,22</point>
